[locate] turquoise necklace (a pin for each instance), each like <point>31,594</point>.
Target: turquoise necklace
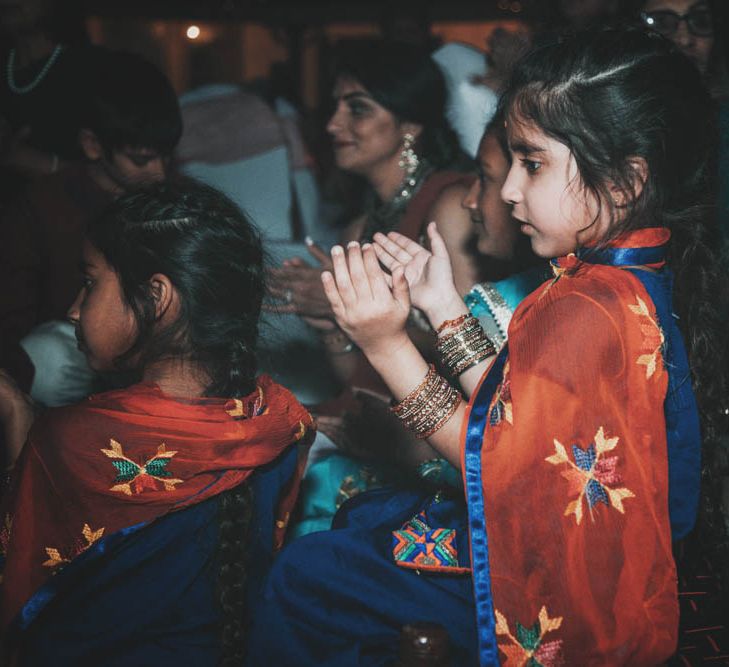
<point>22,90</point>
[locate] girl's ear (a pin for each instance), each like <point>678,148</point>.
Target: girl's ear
<point>166,301</point>
<point>637,175</point>
<point>416,129</point>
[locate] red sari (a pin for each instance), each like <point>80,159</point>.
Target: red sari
<point>575,476</point>
<point>129,457</point>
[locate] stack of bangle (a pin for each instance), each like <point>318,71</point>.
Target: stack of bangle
<point>429,406</point>
<point>465,345</point>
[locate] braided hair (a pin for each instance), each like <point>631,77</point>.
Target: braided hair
<point>213,256</point>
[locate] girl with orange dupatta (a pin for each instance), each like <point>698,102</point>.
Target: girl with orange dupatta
<point>580,444</point>
<point>139,524</point>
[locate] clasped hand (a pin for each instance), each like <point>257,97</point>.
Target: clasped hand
<point>371,306</point>
<point>298,286</point>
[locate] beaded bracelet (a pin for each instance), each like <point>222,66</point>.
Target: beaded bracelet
<point>465,347</point>
<point>429,406</point>
<point>448,324</point>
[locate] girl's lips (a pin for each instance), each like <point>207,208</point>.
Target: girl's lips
<point>342,144</point>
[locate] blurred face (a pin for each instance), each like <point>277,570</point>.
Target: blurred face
<point>497,232</point>
<point>584,12</point>
<point>130,167</point>
<point>546,194</point>
<point>662,16</point>
<point>105,325</point>
<point>365,135</point>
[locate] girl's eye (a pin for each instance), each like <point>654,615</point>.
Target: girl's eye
<point>532,166</point>
<point>88,283</point>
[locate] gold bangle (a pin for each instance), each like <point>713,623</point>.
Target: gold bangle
<point>465,347</point>
<point>429,406</point>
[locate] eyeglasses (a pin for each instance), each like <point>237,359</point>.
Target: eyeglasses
<point>665,21</point>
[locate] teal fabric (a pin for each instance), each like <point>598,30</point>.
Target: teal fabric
<point>327,484</point>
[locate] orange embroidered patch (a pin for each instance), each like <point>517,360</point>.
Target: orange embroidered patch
<point>591,475</point>
<point>653,338</point>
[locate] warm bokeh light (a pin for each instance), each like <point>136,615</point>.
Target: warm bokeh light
<point>193,32</point>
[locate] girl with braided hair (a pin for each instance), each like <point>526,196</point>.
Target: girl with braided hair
<point>137,524</point>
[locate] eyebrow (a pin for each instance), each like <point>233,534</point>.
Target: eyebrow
<point>355,95</point>
<point>84,266</point>
<point>523,146</point>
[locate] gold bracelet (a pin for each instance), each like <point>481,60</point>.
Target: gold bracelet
<point>465,347</point>
<point>429,406</point>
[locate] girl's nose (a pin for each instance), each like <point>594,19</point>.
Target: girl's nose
<point>470,201</point>
<point>510,191</point>
<point>72,314</point>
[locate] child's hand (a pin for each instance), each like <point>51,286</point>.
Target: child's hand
<point>17,412</point>
<point>370,313</point>
<point>429,274</point>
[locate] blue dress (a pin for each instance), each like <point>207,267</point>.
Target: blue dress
<point>147,595</point>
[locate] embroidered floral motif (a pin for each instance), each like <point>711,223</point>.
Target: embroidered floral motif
<point>55,559</point>
<point>528,647</point>
<point>352,485</point>
<point>253,408</point>
<point>501,406</point>
<point>653,338</point>
<point>417,545</point>
<point>301,432</point>
<point>592,475</point>
<point>136,478</point>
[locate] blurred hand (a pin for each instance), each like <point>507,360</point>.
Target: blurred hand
<point>298,287</point>
<point>429,274</point>
<point>17,412</point>
<point>371,313</point>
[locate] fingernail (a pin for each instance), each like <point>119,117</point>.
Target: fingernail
<point>308,240</point>
<point>337,250</point>
<point>352,244</point>
<point>366,245</point>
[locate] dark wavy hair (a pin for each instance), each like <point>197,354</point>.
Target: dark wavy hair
<point>404,79</point>
<point>612,96</point>
<point>131,103</point>
<point>212,254</point>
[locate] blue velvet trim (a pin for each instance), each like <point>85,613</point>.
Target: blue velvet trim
<point>683,431</point>
<point>623,256</point>
<point>477,423</point>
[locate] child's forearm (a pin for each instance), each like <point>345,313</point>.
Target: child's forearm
<point>403,368</point>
